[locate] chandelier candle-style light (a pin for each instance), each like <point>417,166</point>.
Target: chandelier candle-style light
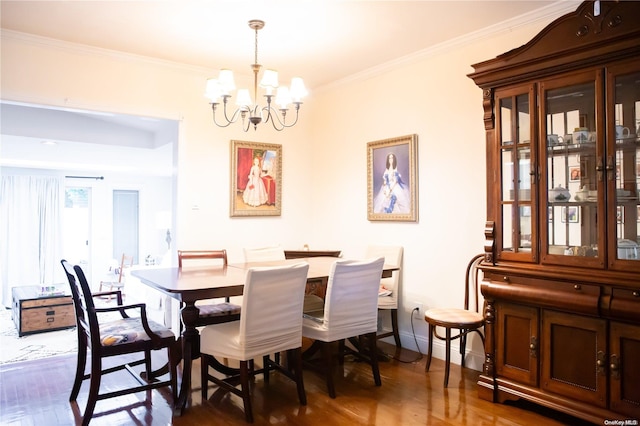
<point>224,85</point>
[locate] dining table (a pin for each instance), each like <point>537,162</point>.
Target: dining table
<point>193,283</point>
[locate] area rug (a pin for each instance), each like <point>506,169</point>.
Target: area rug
<point>46,344</point>
<point>32,346</point>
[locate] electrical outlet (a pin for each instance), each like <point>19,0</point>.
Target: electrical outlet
<point>418,312</point>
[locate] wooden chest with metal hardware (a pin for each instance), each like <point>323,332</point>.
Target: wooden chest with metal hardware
<point>36,311</point>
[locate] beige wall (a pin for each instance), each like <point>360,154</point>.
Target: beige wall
<point>324,165</point>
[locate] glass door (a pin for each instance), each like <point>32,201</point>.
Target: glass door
<point>572,149</point>
<point>623,182</point>
<point>77,227</point>
<point>515,233</point>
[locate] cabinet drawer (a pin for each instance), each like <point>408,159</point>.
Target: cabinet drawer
<point>625,304</point>
<point>49,301</point>
<point>574,297</point>
<point>46,318</point>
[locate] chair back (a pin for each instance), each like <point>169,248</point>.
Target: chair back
<point>271,319</point>
<point>472,282</point>
<point>202,257</point>
<point>126,262</point>
<point>86,318</point>
<point>392,256</point>
<point>264,254</point>
<point>351,303</point>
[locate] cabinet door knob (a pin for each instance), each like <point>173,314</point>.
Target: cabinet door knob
<point>505,279</point>
<point>577,287</point>
<point>614,366</point>
<point>636,293</point>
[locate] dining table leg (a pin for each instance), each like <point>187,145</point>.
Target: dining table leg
<point>190,351</point>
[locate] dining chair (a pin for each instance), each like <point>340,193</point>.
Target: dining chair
<point>263,254</point>
<point>271,322</point>
<point>464,320</point>
<point>211,312</point>
<point>107,334</point>
<point>115,277</point>
<point>389,287</point>
<point>350,312</point>
<point>275,253</point>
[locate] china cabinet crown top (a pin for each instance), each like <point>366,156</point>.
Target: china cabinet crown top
<point>574,41</point>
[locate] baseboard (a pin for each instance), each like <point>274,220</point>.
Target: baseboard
<point>473,359</point>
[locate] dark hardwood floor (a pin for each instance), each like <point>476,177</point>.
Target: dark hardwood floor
<point>37,392</point>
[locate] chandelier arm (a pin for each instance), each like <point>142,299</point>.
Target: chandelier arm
<point>213,108</point>
<point>275,117</point>
<point>235,115</point>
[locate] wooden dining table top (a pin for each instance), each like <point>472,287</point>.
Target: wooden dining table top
<point>204,282</point>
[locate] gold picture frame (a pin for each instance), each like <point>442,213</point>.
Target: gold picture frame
<point>256,179</point>
<point>392,189</point>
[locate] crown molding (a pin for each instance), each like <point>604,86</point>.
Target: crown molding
<point>84,49</point>
<point>547,13</point>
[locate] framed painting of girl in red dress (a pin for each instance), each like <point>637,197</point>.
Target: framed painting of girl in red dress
<point>256,179</point>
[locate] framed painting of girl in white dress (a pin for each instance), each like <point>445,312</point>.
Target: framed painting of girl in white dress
<point>256,179</point>
<point>392,182</point>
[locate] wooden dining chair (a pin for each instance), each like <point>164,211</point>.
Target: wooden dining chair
<point>271,322</point>
<point>464,320</point>
<point>350,312</point>
<point>116,276</point>
<point>103,337</point>
<point>389,287</point>
<point>211,311</point>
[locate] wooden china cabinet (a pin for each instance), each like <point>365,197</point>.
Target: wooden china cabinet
<point>562,263</point>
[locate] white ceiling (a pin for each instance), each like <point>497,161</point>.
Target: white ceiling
<point>323,41</point>
<point>298,38</point>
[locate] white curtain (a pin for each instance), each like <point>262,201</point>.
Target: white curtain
<point>30,232</point>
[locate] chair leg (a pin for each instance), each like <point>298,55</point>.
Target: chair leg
<point>447,356</point>
<point>463,345</point>
<point>174,359</point>
<point>294,359</point>
<point>373,356</point>
<point>394,326</point>
<point>80,366</point>
<point>265,367</point>
<point>430,346</point>
<point>204,379</point>
<point>94,387</point>
<point>147,362</point>
<point>246,394</point>
<point>329,363</point>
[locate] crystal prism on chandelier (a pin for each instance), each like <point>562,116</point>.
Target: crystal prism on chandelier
<point>221,88</point>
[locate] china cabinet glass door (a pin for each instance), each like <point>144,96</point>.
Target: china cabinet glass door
<point>515,230</point>
<point>572,149</point>
<point>623,103</point>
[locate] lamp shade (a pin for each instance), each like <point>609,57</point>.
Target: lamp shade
<point>298,91</point>
<point>213,90</point>
<point>269,81</point>
<point>227,83</point>
<point>283,98</point>
<point>244,99</point>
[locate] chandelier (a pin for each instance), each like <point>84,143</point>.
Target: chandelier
<point>249,113</point>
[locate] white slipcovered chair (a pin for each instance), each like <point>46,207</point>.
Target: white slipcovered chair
<point>350,311</point>
<point>271,322</point>
<point>263,254</point>
<point>274,253</point>
<point>389,287</point>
